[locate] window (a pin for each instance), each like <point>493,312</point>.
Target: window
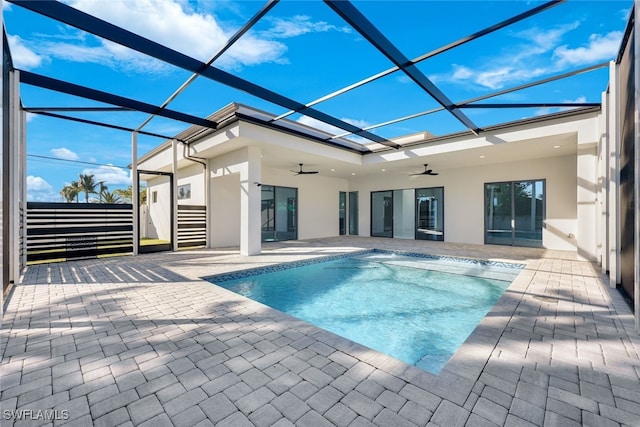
<point>184,191</point>
<point>154,197</point>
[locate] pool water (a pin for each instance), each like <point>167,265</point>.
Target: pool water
<point>406,307</point>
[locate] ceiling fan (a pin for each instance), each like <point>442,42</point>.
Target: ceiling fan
<point>301,172</point>
<point>426,171</point>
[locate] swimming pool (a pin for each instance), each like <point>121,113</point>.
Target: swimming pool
<point>416,308</point>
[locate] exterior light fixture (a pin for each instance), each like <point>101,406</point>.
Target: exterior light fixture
<point>556,146</point>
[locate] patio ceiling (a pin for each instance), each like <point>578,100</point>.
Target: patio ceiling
<point>289,105</point>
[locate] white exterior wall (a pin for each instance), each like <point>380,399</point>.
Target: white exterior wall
<point>317,201</point>
<point>193,175</point>
<point>464,197</point>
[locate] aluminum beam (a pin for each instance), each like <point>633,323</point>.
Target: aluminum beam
<point>92,122</point>
<point>45,82</point>
<point>360,23</point>
<point>83,21</point>
<point>234,38</point>
<point>435,52</point>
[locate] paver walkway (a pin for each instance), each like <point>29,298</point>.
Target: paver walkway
<point>144,341</point>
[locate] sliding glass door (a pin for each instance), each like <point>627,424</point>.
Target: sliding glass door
<point>514,213</point>
<point>429,214</point>
<point>279,213</point>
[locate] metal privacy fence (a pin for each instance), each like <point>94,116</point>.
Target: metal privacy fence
<point>63,231</point>
<point>192,226</point>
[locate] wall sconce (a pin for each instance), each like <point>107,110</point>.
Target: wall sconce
<point>257,183</point>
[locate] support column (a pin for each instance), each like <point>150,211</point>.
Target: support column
<point>174,194</point>
<point>250,203</point>
<point>135,191</point>
<point>586,201</point>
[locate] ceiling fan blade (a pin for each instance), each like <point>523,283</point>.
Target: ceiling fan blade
<point>433,173</point>
<point>415,174</point>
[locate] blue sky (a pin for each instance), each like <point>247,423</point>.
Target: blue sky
<point>303,50</point>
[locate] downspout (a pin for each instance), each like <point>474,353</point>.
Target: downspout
<point>207,198</point>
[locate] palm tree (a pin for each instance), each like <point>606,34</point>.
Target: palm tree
<point>103,189</point>
<point>108,197</point>
<point>70,192</point>
<point>127,195</point>
<point>87,185</point>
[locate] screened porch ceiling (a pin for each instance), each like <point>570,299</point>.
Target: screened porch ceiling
<point>369,61</point>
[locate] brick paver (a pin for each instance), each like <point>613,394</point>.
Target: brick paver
<point>145,341</point>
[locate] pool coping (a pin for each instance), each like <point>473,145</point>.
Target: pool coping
<point>239,274</point>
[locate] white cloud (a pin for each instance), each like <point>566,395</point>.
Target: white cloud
<point>298,25</point>
<point>539,56</point>
<point>36,183</point>
<point>5,5</point>
<point>600,47</point>
<point>317,124</point>
<point>30,116</point>
<point>64,153</point>
<point>169,22</point>
<point>23,57</point>
<point>109,174</point>
<point>547,39</point>
<point>549,110</point>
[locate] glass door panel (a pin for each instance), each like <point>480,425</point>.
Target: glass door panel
<point>528,213</point>
<point>279,213</point>
<point>353,213</point>
<point>403,214</point>
<point>286,213</point>
<point>268,213</point>
<point>382,214</point>
<point>429,214</point>
<point>342,213</point>
<point>498,214</point>
<point>155,222</point>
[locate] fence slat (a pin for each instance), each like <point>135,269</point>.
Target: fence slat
<point>192,226</point>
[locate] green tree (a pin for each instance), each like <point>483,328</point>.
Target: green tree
<point>127,194</point>
<point>87,185</point>
<point>70,192</point>
<point>108,197</point>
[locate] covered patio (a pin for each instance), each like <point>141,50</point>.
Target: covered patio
<point>146,341</point>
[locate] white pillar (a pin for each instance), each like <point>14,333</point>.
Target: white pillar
<point>135,191</point>
<point>3,183</point>
<point>250,202</point>
<point>174,192</point>
<point>614,175</point>
<point>603,195</point>
<point>207,203</point>
<point>586,201</point>
<point>16,176</point>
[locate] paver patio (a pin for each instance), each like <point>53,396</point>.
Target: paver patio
<point>145,341</point>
